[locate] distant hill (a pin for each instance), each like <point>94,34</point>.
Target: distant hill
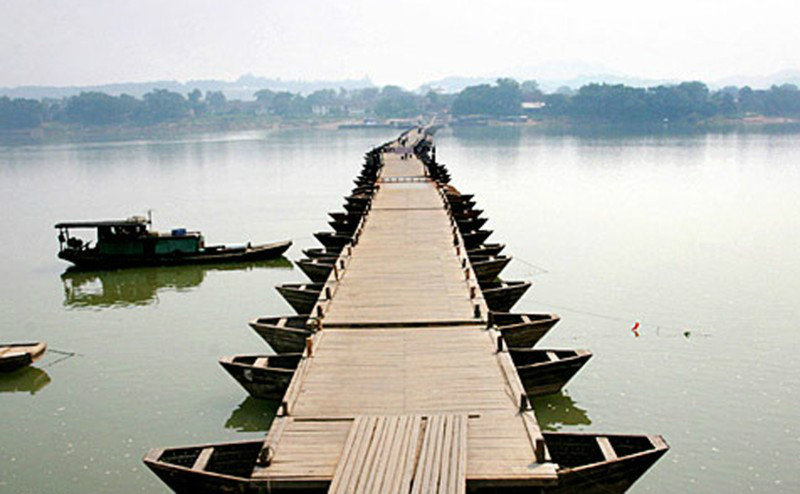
<point>761,82</point>
<point>554,75</point>
<point>241,89</point>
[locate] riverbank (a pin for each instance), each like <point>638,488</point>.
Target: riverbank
<point>59,132</point>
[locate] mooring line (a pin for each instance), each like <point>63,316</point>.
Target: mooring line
<point>685,332</point>
<point>64,356</point>
<point>539,269</point>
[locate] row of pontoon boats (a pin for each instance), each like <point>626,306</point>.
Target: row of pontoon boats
<point>587,463</point>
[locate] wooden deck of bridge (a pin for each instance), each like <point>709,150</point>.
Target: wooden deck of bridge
<point>403,389</point>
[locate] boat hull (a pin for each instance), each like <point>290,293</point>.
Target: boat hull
<point>226,471</point>
<point>332,240</point>
<point>586,469</point>
<point>474,239</point>
<point>522,330</point>
<point>284,335</point>
<point>315,270</point>
<point>501,297</point>
<point>15,356</point>
<point>487,269</point>
<point>486,250</point>
<point>265,381</point>
<point>92,260</point>
<point>549,371</point>
<point>302,298</point>
<point>317,253</point>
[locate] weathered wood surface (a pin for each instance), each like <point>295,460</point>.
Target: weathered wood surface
<point>400,342</point>
<point>403,454</point>
<point>404,267</point>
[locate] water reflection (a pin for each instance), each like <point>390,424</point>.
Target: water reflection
<point>479,136</point>
<point>556,410</point>
<point>140,286</point>
<point>27,379</point>
<point>253,415</point>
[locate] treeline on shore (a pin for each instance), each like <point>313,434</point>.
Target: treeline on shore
<point>688,102</point>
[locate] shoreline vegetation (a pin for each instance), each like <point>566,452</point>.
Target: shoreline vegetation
<point>685,107</point>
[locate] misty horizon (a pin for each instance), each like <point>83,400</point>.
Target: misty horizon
<point>242,86</point>
<point>85,42</point>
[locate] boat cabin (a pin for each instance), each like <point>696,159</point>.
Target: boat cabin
<point>129,237</point>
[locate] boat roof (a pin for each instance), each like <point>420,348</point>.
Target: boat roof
<point>97,224</point>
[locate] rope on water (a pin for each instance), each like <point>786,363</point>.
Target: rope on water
<point>539,269</point>
<point>64,356</point>
<point>661,330</point>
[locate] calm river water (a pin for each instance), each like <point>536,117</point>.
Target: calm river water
<point>694,236</point>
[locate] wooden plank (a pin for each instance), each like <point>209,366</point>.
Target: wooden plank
<point>461,471</point>
<point>419,473</point>
<point>370,460</point>
<point>347,452</point>
<point>390,460</point>
<point>362,451</point>
<point>446,458</point>
<point>411,452</point>
<point>202,459</point>
<point>606,448</point>
<point>430,481</point>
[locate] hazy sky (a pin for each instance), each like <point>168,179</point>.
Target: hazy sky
<point>79,42</point>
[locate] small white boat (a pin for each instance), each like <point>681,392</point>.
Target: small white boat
<point>16,355</point>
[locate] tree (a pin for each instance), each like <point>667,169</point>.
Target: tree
<point>286,104</point>
<point>530,91</point>
<point>20,113</point>
<point>502,99</point>
<point>95,108</point>
<point>394,101</point>
<point>215,100</point>
<point>782,101</point>
<point>161,105</point>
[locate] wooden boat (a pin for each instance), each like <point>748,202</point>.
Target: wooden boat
<point>333,240</point>
<point>460,207</point>
<point>358,198</point>
<point>522,330</point>
<point>363,189</point>
<point>345,227</point>
<point>224,467</point>
<point>601,463</point>
<point>441,175</point>
<point>367,177</point>
<point>475,238</point>
<point>501,296</point>
<point>486,250</point>
<point>467,225</point>
<point>355,208</point>
<point>318,253</point>
<point>131,243</point>
<point>345,217</point>
<point>487,268</point>
<point>453,198</point>
<point>365,181</point>
<point>265,377</point>
<point>301,297</point>
<point>587,464</point>
<point>467,214</point>
<point>14,356</point>
<point>317,270</point>
<point>284,334</point>
<point>547,371</point>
